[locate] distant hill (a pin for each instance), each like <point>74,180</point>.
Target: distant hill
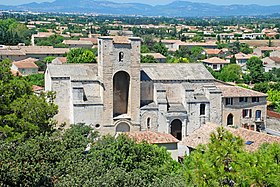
<point>177,8</point>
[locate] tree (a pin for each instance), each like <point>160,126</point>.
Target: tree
<point>22,114</point>
<point>231,73</point>
<point>159,47</point>
<point>256,70</point>
<point>274,97</point>
<point>233,59</point>
<point>245,48</point>
<point>80,55</point>
<point>145,49</point>
<point>60,159</point>
<point>148,59</point>
<point>36,79</point>
<point>224,162</point>
<point>215,163</point>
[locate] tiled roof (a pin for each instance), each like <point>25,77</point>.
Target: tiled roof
<point>155,55</point>
<point>11,52</point>
<point>93,40</point>
<point>202,136</point>
<point>37,88</point>
<point>152,137</point>
<point>26,63</point>
<point>178,71</point>
<point>77,42</point>
<point>275,59</point>
<point>121,40</point>
<point>240,56</point>
<point>215,60</point>
<point>44,50</point>
<point>236,91</point>
<point>212,51</point>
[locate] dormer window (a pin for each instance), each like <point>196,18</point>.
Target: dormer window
<point>121,57</point>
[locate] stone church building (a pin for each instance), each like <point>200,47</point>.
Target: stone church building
<point>119,94</point>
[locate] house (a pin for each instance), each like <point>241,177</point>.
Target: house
<point>212,52</point>
<point>252,139</point>
<point>78,43</point>
<point>260,51</point>
<point>12,54</point>
<point>172,45</point>
<point>242,107</point>
<point>159,57</point>
<point>226,36</point>
<point>92,40</point>
<point>215,63</point>
<point>25,67</point>
<point>59,60</point>
<point>205,45</point>
<point>160,139</point>
<point>271,62</point>
<point>120,33</point>
<point>241,58</point>
<point>252,36</point>
<point>41,52</point>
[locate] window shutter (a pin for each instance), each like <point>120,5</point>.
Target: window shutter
<point>243,113</point>
<point>250,115</point>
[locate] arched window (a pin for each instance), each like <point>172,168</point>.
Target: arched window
<point>230,119</point>
<point>148,123</point>
<point>121,56</point>
<point>202,109</point>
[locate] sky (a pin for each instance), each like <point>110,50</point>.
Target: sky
<point>154,2</point>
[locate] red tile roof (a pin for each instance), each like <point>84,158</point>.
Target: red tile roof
<point>26,63</point>
<point>212,51</point>
<point>202,136</point>
<point>215,60</point>
<point>275,59</point>
<point>236,91</point>
<point>152,137</point>
<point>37,88</point>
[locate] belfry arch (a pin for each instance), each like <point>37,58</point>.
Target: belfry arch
<point>176,129</point>
<point>121,84</point>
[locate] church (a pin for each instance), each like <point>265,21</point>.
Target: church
<point>119,94</point>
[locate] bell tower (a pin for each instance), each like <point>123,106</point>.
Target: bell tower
<point>119,74</point>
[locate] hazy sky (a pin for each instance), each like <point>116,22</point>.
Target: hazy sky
<point>153,2</point>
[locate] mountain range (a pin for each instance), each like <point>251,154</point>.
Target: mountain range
<point>174,9</point>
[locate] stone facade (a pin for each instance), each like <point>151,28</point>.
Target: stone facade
<point>119,94</point>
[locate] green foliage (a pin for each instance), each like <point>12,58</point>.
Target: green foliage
<point>245,48</point>
<point>80,55</point>
<point>233,60</point>
<point>36,79</point>
<point>158,47</point>
<point>256,70</point>
<point>48,59</point>
<point>145,49</point>
<point>274,97</point>
<point>223,162</point>
<point>148,59</point>
<point>197,38</point>
<point>22,114</point>
<point>13,33</point>
<point>230,73</point>
<point>54,40</point>
<point>59,159</point>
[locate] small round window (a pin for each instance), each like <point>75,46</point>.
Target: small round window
<point>97,126</point>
